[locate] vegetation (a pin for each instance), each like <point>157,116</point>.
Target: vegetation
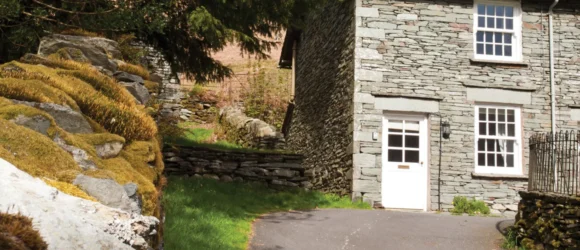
<point>463,205</point>
<point>186,32</point>
<point>267,95</point>
<point>17,232</point>
<point>511,241</point>
<point>213,215</point>
<point>201,137</point>
<point>135,70</point>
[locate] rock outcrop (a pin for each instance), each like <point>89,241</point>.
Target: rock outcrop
<point>68,222</point>
<point>66,118</point>
<point>95,49</point>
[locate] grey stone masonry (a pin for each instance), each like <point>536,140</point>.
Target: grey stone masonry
<point>278,170</point>
<point>321,127</point>
<point>423,49</point>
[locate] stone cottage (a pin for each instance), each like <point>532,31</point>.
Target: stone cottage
<point>375,80</point>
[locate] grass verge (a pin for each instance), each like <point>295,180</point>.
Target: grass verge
<point>207,214</point>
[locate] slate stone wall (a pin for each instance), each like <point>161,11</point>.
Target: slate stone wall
<point>171,88</point>
<point>278,170</point>
<point>548,221</point>
<point>422,49</point>
<point>321,128</point>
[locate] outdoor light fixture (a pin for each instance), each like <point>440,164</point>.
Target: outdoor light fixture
<point>446,130</point>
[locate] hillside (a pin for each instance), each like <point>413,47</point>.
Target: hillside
<point>76,117</point>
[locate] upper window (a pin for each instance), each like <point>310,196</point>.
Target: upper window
<point>497,31</point>
<point>498,140</point>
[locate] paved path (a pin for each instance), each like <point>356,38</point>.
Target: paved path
<point>375,229</point>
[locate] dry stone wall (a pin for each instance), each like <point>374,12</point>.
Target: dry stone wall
<point>548,221</point>
<point>321,125</point>
<point>170,87</point>
<point>423,50</point>
<point>250,132</point>
<point>278,170</point>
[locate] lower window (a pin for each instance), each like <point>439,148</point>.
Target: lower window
<point>498,140</point>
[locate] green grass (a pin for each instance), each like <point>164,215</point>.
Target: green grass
<point>198,137</point>
<point>511,241</point>
<point>207,214</point>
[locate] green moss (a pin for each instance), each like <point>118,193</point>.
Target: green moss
<point>100,138</point>
<point>34,91</point>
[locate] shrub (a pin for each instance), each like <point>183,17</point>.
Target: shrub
<point>197,90</point>
<point>17,232</point>
<point>130,53</point>
<point>472,207</point>
<point>266,97</point>
<point>135,70</point>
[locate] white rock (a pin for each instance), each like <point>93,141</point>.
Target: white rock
<point>68,222</point>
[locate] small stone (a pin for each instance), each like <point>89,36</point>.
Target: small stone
<point>211,176</point>
<point>512,207</point>
<point>226,178</point>
<point>499,207</point>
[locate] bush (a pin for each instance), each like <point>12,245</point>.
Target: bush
<point>17,232</point>
<point>472,207</point>
<point>267,95</point>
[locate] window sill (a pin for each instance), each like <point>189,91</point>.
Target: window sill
<point>499,62</point>
<point>499,176</point>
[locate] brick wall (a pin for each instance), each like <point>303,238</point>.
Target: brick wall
<point>422,49</point>
<point>321,127</point>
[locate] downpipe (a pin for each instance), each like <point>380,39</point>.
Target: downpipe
<point>553,87</point>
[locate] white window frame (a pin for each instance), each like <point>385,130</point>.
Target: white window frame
<point>517,32</point>
<point>518,163</point>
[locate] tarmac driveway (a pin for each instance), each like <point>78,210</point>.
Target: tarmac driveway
<point>375,229</point>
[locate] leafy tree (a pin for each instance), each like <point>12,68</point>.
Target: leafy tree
<point>186,31</point>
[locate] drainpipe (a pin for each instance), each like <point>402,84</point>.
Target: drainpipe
<point>553,89</point>
<point>552,83</point>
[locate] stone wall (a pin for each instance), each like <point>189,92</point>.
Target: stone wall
<point>548,221</point>
<point>321,127</point>
<point>422,50</point>
<point>278,170</point>
<point>171,88</point>
<point>249,132</point>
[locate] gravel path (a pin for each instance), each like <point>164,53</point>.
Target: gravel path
<point>375,229</point>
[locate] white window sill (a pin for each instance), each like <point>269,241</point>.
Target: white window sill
<point>499,176</point>
<point>499,62</point>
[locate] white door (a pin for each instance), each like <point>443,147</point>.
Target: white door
<point>404,183</point>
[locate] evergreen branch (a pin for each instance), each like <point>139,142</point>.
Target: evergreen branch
<point>74,12</point>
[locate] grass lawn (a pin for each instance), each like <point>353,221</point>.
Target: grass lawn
<point>207,214</point>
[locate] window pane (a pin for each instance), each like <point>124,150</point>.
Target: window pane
<point>411,127</point>
<point>412,156</point>
<point>395,155</point>
<point>481,145</point>
<point>482,114</point>
<point>499,23</point>
<point>510,146</point>
<point>491,114</point>
<point>498,37</point>
<point>498,50</point>
<point>511,115</point>
<point>508,50</point>
<point>489,37</point>
<point>481,22</point>
<point>509,11</point>
<point>499,161</point>
<point>491,22</point>
<point>501,115</point>
<point>482,128</point>
<point>479,36</point>
<point>490,160</point>
<point>481,159</point>
<point>491,129</point>
<point>510,161</point>
<point>489,49</point>
<point>490,145</point>
<point>480,48</point>
<point>509,24</point>
<point>499,10</point>
<point>395,126</point>
<point>507,38</point>
<point>396,140</point>
<point>481,9</point>
<point>511,130</point>
<point>411,141</point>
<point>501,129</point>
<point>490,10</point>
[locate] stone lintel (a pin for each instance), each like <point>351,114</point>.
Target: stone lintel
<point>407,104</point>
<point>499,96</point>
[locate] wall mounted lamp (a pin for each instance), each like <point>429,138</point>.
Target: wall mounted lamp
<point>446,130</point>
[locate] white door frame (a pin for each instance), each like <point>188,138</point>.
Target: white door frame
<point>421,168</point>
